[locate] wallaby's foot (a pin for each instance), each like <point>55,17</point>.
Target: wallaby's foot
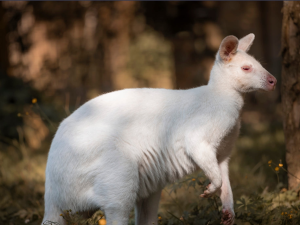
<point>209,192</point>
<point>207,186</point>
<point>227,217</point>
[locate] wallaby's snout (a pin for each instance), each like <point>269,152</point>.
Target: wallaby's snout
<point>271,82</point>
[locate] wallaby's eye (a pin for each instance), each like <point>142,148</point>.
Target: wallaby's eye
<point>246,68</point>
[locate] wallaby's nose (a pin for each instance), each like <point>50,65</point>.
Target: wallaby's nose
<point>271,82</point>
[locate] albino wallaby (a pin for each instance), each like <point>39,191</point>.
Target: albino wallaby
<point>119,150</point>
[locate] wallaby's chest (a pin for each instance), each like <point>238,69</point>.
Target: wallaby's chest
<point>227,142</point>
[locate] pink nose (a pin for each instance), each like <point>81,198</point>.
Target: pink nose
<point>271,82</point>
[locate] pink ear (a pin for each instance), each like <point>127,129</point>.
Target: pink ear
<point>228,48</point>
<point>246,42</point>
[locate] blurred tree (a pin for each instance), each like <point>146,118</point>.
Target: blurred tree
<point>15,94</point>
<point>291,89</point>
<point>191,27</point>
<point>3,42</point>
<point>115,19</point>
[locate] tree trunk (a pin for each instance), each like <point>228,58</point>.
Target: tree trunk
<point>3,42</point>
<point>291,89</point>
<point>116,18</point>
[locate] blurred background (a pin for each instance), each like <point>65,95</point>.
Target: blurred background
<point>55,56</point>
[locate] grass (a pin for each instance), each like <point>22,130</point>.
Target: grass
<point>21,188</point>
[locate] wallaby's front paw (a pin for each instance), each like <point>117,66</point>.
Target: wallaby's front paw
<point>210,191</point>
<point>227,217</point>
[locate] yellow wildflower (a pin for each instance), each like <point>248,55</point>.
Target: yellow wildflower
<point>282,213</point>
<point>280,165</point>
<point>193,179</point>
<point>291,216</point>
<point>276,168</point>
<point>34,100</point>
<point>102,222</point>
<point>283,190</point>
<point>270,162</point>
<point>61,214</point>
<point>285,213</point>
<point>159,218</point>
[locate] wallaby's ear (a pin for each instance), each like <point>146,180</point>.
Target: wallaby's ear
<point>228,48</point>
<point>246,42</point>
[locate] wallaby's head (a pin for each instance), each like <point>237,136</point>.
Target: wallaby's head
<point>234,67</point>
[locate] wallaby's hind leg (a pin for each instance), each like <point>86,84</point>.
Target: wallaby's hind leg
<point>118,209</point>
<point>146,209</point>
<point>119,201</point>
<point>52,214</point>
<point>117,216</point>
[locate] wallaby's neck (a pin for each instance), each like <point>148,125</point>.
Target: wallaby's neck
<point>222,86</point>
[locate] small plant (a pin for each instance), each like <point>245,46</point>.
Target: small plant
<point>76,218</point>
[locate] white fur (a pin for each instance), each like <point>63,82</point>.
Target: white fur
<point>120,149</point>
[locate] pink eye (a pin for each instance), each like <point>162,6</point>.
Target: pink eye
<point>247,68</point>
